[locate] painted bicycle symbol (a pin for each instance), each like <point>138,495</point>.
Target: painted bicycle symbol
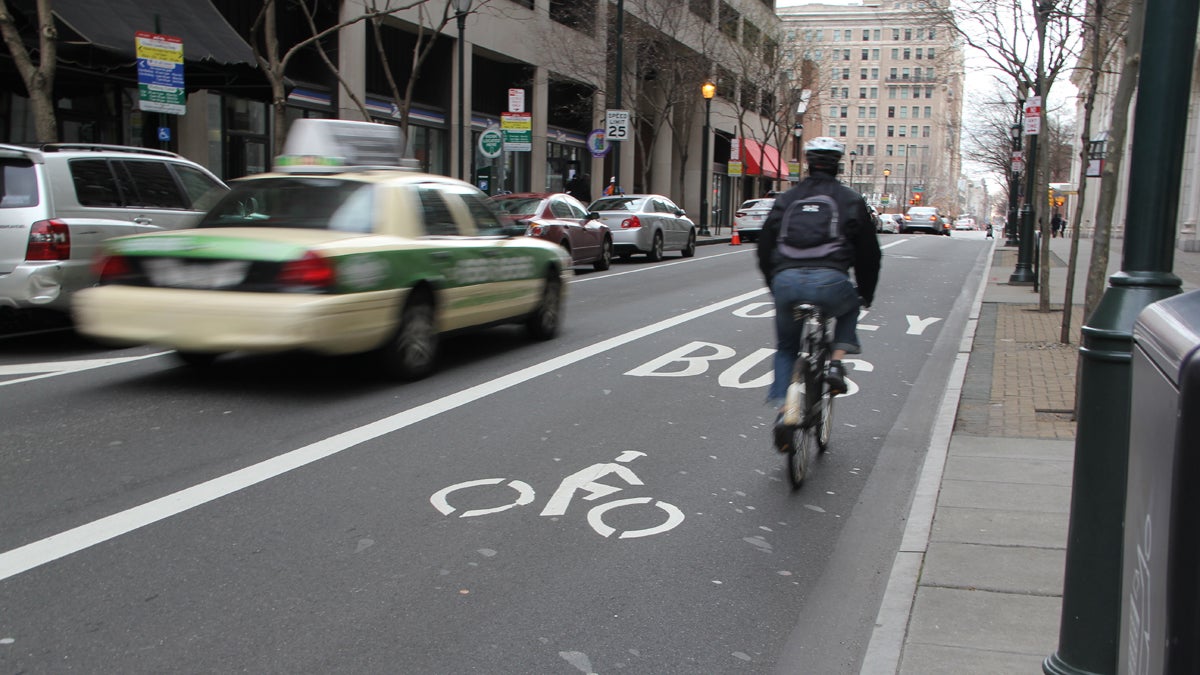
<point>585,481</point>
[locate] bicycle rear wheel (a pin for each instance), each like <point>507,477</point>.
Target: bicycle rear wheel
<point>800,453</point>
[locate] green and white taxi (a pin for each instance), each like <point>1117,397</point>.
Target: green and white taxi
<point>328,258</point>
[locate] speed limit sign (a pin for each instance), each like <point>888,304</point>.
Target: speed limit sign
<point>616,125</point>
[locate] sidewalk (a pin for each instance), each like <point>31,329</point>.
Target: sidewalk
<point>980,589</point>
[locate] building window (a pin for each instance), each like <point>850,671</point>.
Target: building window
<point>929,74</point>
<point>729,20</point>
<point>895,53</point>
<point>920,53</point>
<point>891,131</point>
<point>750,36</point>
<point>866,34</point>
<point>862,129</point>
<point>845,92</point>
<point>889,154</point>
<point>925,130</point>
<point>580,16</point>
<point>862,92</point>
<point>870,150</point>
<point>929,92</point>
<point>891,111</point>
<point>874,54</point>
<point>876,34</point>
<point>866,54</point>
<point>704,10</point>
<point>862,112</point>
<point>908,35</point>
<point>845,111</point>
<point>862,73</point>
<point>874,92</point>
<point>892,73</point>
<point>928,112</point>
<point>931,52</point>
<point>903,112</point>
<point>871,130</point>
<point>842,130</point>
<point>900,131</point>
<point>896,34</point>
<point>907,53</point>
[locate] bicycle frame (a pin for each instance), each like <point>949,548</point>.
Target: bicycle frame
<point>810,366</point>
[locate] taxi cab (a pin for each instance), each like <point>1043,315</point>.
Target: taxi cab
<point>341,250</point>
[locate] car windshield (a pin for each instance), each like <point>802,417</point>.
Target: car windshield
<point>518,206</point>
<point>297,202</point>
<point>618,204</point>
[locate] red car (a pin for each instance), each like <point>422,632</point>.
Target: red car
<point>560,218</point>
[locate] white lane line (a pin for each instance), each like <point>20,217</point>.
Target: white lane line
<point>54,368</point>
<point>29,556</point>
<point>580,280</point>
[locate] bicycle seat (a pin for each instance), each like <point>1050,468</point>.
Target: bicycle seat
<point>806,309</point>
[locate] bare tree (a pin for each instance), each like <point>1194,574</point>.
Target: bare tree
<point>36,72</point>
<point>273,59</point>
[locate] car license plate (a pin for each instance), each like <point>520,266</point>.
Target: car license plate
<point>205,274</point>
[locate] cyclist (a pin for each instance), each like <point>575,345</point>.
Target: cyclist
<point>813,235</point>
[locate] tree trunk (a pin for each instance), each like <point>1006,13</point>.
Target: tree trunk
<point>1095,22</point>
<point>1119,127</point>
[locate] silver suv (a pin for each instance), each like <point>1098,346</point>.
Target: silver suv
<point>59,201</point>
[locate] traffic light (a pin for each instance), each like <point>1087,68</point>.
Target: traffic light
<point>916,199</point>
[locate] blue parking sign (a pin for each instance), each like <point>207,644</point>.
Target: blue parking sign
<point>164,134</point>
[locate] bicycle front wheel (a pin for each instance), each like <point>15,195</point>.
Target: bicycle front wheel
<point>824,424</point>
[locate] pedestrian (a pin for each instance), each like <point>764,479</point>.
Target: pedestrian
<point>989,231</point>
<point>1056,224</point>
<point>815,233</point>
<point>580,187</point>
<point>613,188</point>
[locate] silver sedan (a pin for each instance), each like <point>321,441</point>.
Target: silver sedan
<point>649,224</point>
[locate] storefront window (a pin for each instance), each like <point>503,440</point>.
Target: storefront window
<point>562,163</point>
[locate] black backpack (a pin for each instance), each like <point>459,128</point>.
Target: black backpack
<point>810,228</point>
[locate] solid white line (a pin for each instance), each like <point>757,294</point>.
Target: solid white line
<point>55,368</point>
<point>891,624</point>
<point>51,548</point>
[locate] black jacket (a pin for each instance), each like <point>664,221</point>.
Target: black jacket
<point>862,248</point>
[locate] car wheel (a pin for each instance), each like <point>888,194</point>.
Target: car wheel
<point>412,351</point>
<point>605,260</point>
<point>543,324</point>
<point>196,360</point>
<point>656,248</point>
<point>690,249</point>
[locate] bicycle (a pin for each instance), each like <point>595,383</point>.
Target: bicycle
<point>808,410</point>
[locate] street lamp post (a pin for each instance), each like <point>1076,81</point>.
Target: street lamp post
<point>461,8</point>
<point>907,161</point>
<point>853,156</point>
<point>1010,225</point>
<point>1023,273</point>
<point>886,173</point>
<point>797,134</point>
<point>707,90</point>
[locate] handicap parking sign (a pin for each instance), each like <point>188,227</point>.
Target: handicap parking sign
<point>164,134</point>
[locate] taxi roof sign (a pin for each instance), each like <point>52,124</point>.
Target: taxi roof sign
<point>326,145</point>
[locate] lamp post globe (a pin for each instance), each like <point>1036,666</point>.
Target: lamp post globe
<point>708,90</point>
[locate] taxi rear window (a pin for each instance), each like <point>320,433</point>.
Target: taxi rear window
<point>296,202</point>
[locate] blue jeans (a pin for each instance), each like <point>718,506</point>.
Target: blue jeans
<point>827,288</point>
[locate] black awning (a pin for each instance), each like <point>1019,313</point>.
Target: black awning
<point>110,25</point>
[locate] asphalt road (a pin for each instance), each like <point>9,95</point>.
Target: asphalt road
<point>605,501</point>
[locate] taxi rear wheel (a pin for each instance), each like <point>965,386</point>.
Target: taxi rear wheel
<point>544,322</point>
<point>413,349</point>
<point>196,359</point>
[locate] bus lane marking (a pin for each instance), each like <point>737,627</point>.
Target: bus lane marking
<point>37,553</point>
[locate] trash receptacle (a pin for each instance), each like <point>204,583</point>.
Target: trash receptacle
<point>1160,589</point>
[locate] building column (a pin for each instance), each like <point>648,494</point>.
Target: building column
<point>352,64</point>
<point>540,107</point>
<point>662,158</point>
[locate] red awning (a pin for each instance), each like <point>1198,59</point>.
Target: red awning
<point>754,153</point>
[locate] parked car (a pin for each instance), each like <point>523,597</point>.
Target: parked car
<point>330,259</point>
<point>749,217</point>
<point>891,222</point>
<point>875,218</point>
<point>924,219</point>
<point>649,224</point>
<point>59,201</point>
<point>965,223</point>
<point>561,219</point>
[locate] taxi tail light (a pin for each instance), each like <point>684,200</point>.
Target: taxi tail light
<point>311,271</point>
<point>49,240</point>
<point>111,269</point>
<point>631,223</point>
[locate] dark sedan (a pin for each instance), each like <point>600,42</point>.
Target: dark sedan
<point>559,218</point>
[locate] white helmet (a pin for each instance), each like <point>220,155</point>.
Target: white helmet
<point>824,145</point>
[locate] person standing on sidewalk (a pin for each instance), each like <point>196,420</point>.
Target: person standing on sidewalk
<point>814,234</point>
